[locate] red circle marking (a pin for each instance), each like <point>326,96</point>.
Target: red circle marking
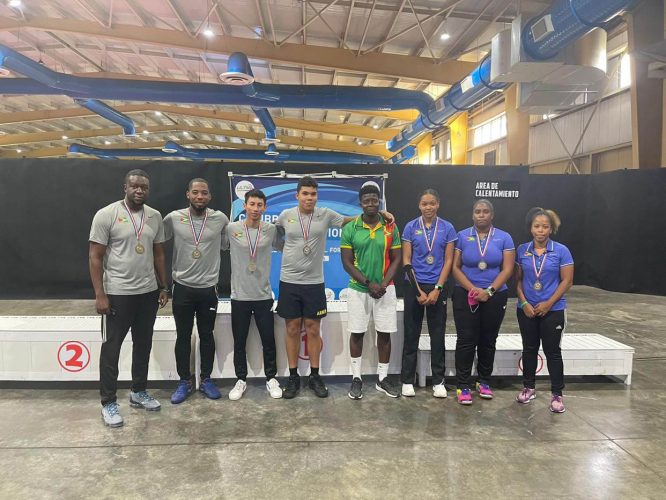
<point>73,363</point>
<point>539,366</point>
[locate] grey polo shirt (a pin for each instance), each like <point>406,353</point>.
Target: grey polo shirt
<point>125,271</point>
<point>202,272</point>
<point>296,266</point>
<point>246,285</point>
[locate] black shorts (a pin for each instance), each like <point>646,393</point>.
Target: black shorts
<point>301,301</point>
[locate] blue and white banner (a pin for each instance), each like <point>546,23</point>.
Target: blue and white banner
<point>337,193</point>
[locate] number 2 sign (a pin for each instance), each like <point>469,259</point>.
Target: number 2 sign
<point>74,356</point>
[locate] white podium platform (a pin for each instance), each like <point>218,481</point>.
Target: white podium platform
<point>66,348</point>
<point>582,353</point>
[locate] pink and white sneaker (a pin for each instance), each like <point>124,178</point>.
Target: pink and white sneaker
<point>526,395</point>
<point>557,404</point>
<point>484,390</point>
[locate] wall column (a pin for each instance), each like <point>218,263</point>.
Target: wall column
<point>517,128</point>
<point>458,129</point>
<point>645,27</point>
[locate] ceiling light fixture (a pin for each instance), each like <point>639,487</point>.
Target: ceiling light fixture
<point>158,113</point>
<point>146,132</point>
<point>19,150</point>
<point>375,126</point>
<point>64,137</point>
<point>15,3</point>
<point>107,143</point>
<point>208,32</point>
<point>444,36</point>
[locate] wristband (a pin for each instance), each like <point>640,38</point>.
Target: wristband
<point>523,304</point>
<point>490,291</point>
<point>165,290</point>
<point>439,287</point>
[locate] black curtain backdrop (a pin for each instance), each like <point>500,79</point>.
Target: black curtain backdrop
<point>611,222</point>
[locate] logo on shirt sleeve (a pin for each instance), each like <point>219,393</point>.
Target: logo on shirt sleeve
<point>184,219</point>
<point>471,238</point>
<point>122,218</point>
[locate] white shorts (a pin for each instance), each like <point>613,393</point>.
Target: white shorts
<point>360,307</point>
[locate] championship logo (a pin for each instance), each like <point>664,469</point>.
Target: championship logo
<point>243,187</point>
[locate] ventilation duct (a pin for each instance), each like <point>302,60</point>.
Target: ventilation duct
<point>174,150</point>
<point>105,111</point>
<point>285,96</point>
<point>542,38</point>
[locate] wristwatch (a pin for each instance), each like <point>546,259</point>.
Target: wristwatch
<point>491,291</point>
<point>439,287</point>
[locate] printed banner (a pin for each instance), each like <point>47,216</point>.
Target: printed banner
<point>337,193</point>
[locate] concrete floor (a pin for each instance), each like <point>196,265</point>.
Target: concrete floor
<point>609,444</point>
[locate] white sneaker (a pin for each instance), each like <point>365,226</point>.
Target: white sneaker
<point>408,390</point>
<point>274,388</point>
<point>238,390</point>
<point>439,391</point>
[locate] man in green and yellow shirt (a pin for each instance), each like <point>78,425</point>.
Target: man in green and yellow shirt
<point>371,254</point>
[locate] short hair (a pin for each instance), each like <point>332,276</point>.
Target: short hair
<point>368,189</point>
<point>197,179</point>
<point>255,193</point>
<point>535,212</point>
<point>431,192</point>
<point>306,181</point>
<point>484,201</point>
<point>136,172</point>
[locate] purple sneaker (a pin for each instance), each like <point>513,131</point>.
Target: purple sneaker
<point>557,404</point>
<point>526,395</point>
<point>484,390</point>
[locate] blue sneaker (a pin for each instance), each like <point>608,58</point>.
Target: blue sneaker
<point>208,389</point>
<point>182,392</point>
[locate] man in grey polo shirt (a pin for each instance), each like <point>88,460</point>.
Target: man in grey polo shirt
<point>198,234</point>
<point>124,255</point>
<point>251,243</point>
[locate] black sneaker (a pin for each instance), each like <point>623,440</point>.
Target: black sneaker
<point>387,388</point>
<point>356,391</point>
<point>318,386</point>
<point>293,386</point>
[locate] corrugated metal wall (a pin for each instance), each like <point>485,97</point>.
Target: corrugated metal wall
<point>610,127</point>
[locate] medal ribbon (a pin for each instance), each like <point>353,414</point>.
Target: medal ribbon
<point>538,271</point>
<point>478,241</point>
<point>253,249</point>
<point>137,230</point>
<point>197,239</point>
<point>306,232</point>
<point>429,244</point>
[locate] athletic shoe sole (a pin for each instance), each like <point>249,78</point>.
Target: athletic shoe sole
<point>386,392</point>
<point>354,397</point>
<point>112,425</point>
<point>139,405</point>
<point>555,411</point>
<point>533,396</point>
